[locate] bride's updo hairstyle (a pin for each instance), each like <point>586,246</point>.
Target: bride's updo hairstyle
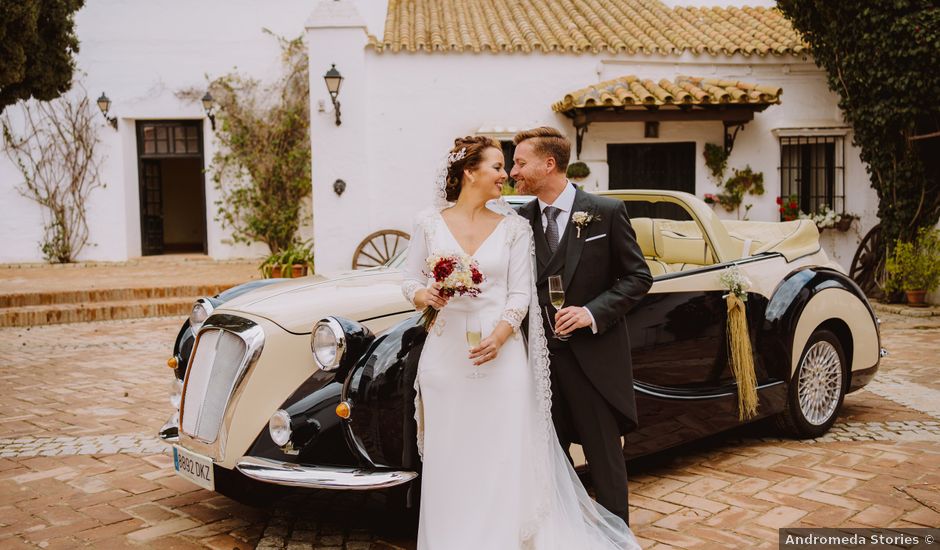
<point>473,147</point>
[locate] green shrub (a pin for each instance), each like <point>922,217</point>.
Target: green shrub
<point>298,253</point>
<point>578,170</point>
<point>915,265</point>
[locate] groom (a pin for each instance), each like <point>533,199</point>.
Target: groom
<point>588,240</point>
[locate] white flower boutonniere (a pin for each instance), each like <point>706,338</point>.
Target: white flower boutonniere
<point>582,219</point>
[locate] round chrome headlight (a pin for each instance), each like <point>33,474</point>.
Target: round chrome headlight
<point>201,311</point>
<point>279,427</point>
<point>328,343</point>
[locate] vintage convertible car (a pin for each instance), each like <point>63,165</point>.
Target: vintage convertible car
<point>309,383</point>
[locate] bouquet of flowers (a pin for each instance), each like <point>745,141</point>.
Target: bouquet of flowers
<point>458,275</point>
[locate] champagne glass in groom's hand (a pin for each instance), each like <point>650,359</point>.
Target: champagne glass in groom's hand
<point>556,294</point>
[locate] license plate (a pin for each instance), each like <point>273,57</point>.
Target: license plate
<point>195,468</point>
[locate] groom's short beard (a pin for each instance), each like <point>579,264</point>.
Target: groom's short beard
<point>526,187</point>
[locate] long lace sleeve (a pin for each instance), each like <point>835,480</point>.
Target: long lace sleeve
<point>519,276</point>
<point>414,278</point>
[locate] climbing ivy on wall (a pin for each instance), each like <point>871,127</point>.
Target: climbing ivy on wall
<point>883,59</point>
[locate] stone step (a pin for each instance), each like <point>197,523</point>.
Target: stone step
<point>50,314</point>
<point>91,296</point>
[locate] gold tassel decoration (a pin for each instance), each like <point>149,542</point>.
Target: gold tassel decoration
<point>741,358</point>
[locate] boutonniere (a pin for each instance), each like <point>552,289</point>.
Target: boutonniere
<point>582,219</point>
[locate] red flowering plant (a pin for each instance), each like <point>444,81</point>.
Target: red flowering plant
<point>789,208</point>
<point>458,275</point>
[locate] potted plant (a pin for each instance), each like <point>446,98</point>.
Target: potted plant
<point>914,267</point>
<point>716,159</point>
<point>294,261</point>
<point>577,171</point>
<point>731,194</point>
<point>789,208</point>
<point>827,218</point>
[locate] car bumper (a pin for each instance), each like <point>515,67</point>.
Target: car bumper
<point>861,378</point>
<point>321,477</point>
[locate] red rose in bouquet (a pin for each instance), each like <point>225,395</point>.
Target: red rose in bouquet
<point>458,275</point>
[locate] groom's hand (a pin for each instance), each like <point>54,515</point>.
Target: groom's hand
<point>571,318</point>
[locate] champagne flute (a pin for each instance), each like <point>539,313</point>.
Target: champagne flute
<point>474,335</point>
<point>556,294</point>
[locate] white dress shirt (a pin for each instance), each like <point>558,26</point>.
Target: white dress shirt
<point>564,202</point>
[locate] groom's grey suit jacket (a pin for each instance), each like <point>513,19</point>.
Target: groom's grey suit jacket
<point>604,270</point>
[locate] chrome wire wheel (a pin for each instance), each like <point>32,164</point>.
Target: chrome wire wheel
<point>820,384</point>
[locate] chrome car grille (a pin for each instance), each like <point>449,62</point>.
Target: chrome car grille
<point>224,349</point>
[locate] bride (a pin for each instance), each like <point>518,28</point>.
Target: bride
<point>494,474</point>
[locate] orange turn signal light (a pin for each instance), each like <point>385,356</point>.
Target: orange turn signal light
<point>343,410</point>
<point>172,362</point>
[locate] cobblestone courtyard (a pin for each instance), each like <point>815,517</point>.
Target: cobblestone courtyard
<point>79,465</point>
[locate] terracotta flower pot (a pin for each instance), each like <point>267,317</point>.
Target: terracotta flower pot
<point>915,298</point>
<point>844,224</point>
<point>298,270</point>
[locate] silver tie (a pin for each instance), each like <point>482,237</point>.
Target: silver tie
<point>551,229</point>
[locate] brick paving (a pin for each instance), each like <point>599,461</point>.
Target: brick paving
<point>78,466</point>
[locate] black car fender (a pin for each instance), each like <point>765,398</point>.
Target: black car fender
<point>381,428</point>
<point>812,297</point>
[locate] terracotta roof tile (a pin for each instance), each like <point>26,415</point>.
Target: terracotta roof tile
<point>629,26</point>
<point>686,90</point>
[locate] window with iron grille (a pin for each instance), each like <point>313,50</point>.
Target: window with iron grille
<point>812,169</point>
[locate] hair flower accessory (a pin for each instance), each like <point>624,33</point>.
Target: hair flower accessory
<point>454,157</point>
<point>582,219</point>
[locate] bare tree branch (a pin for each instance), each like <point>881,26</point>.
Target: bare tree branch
<point>55,150</point>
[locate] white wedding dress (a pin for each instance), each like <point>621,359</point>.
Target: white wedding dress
<point>494,474</point>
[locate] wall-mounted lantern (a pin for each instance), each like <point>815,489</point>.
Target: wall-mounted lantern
<point>338,187</point>
<point>208,104</point>
<point>333,81</point>
<point>104,104</point>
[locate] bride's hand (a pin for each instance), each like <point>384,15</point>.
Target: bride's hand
<point>489,346</point>
<point>431,296</point>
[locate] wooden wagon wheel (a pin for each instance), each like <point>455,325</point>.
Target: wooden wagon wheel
<point>379,247</point>
<point>868,266</point>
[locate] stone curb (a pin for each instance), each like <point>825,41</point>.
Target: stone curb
<point>901,309</point>
<point>148,261</point>
<point>95,311</point>
<point>91,296</point>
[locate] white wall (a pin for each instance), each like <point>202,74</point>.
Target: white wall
<point>406,109</point>
<point>142,54</point>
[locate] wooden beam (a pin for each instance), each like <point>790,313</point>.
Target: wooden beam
<point>583,117</point>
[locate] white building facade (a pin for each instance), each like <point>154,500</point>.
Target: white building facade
<point>144,56</point>
<point>401,109</point>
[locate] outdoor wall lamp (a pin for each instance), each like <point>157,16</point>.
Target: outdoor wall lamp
<point>338,187</point>
<point>208,104</point>
<point>105,105</point>
<point>333,81</point>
